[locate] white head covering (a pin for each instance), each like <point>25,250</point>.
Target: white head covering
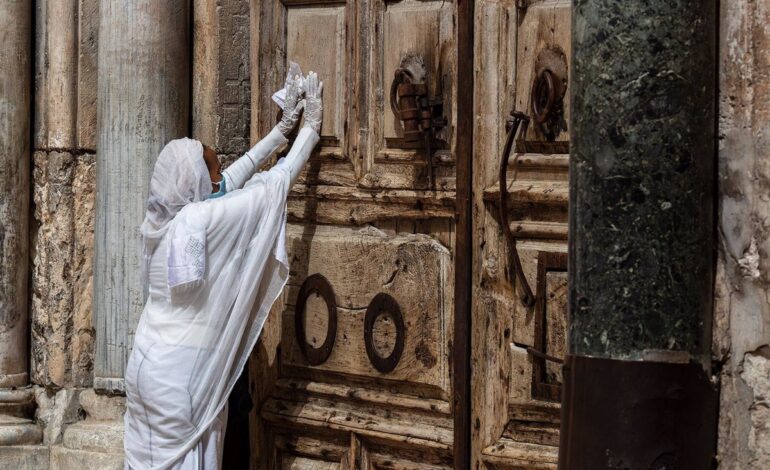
<point>180,177</point>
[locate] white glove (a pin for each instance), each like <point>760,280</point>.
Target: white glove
<point>313,102</point>
<point>292,107</point>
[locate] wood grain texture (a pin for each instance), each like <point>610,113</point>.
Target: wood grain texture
<point>544,24</point>
<point>401,266</point>
<point>423,28</point>
<point>346,185</point>
<point>143,103</point>
<point>510,429</point>
<point>495,71</point>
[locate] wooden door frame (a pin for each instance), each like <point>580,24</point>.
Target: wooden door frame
<point>461,354</point>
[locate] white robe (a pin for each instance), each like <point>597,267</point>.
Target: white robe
<point>192,342</point>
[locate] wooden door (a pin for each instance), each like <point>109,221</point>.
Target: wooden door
<point>354,365</point>
<point>515,389</point>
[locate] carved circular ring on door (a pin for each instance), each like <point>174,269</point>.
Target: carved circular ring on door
<point>316,283</point>
<point>383,304</point>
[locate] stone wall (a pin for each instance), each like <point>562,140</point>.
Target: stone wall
<point>742,310</point>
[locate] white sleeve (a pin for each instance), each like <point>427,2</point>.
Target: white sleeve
<point>299,153</point>
<point>242,169</point>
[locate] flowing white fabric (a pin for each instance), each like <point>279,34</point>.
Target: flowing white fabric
<point>199,326</point>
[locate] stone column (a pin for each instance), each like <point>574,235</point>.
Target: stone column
<point>61,351</point>
<point>641,236</point>
<point>16,399</point>
<point>143,102</point>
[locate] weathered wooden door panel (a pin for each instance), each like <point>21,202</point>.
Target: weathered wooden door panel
<point>543,40</point>
<point>361,376</point>
<point>324,52</point>
<point>360,264</point>
<point>403,29</point>
<point>516,386</point>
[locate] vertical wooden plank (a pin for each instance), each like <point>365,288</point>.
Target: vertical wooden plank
<point>492,326</point>
<point>461,389</point>
<point>143,103</point>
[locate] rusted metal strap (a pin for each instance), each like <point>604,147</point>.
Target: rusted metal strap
<point>412,89</point>
<point>537,353</point>
<point>514,262</point>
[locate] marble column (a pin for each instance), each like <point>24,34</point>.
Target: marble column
<point>16,399</point>
<point>642,179</point>
<point>143,102</point>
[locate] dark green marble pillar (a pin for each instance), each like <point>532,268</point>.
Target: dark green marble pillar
<point>642,178</point>
<point>637,390</point>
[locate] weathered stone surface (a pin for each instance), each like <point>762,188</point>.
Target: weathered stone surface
<point>143,103</point>
<point>88,18</point>
<point>102,407</point>
<point>756,374</point>
<point>18,431</point>
<point>56,74</point>
<point>106,436</point>
<point>62,334</point>
<point>55,411</point>
<point>25,458</point>
<point>97,441</point>
<point>65,74</point>
<point>742,310</point>
<point>221,83</point>
<point>63,458</point>
<point>15,104</point>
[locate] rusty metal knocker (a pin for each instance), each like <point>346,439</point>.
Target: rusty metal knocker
<point>517,118</point>
<point>543,97</point>
<point>405,103</point>
<point>411,105</point>
<point>399,78</point>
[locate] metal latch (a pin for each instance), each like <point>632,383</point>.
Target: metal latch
<point>516,120</point>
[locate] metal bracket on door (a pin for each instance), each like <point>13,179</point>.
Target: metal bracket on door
<point>547,106</point>
<point>517,119</point>
<point>419,113</point>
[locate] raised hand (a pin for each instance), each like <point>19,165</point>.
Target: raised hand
<point>292,108</point>
<point>313,102</point>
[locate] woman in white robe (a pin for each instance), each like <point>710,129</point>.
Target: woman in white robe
<point>214,267</point>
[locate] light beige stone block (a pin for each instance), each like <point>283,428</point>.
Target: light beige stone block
<point>63,458</point>
<point>24,458</point>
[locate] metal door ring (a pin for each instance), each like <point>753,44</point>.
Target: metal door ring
<point>316,283</point>
<point>543,96</point>
<point>383,304</point>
